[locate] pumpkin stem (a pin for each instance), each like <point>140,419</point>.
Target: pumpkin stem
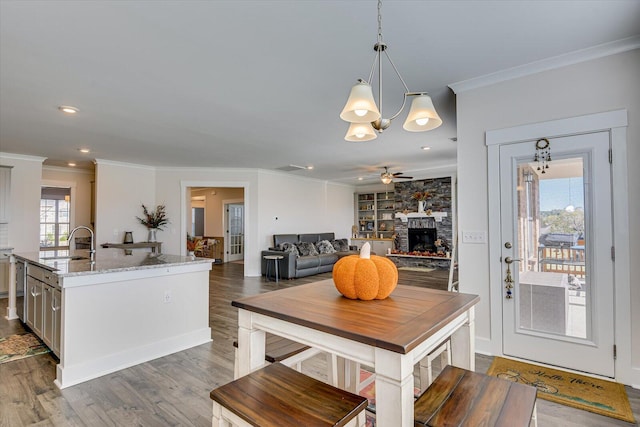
<point>365,251</point>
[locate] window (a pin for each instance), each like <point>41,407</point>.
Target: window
<point>54,217</point>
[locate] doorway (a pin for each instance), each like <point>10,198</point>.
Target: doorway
<point>557,282</point>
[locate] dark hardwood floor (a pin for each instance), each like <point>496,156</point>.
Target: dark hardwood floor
<point>174,390</point>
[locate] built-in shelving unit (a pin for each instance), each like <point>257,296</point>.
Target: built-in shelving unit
<point>374,215</point>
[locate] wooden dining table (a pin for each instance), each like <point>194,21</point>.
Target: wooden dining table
<point>389,335</point>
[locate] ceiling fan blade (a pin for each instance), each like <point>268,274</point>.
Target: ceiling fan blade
<point>398,173</point>
<point>403,177</point>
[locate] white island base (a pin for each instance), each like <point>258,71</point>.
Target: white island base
<point>114,320</point>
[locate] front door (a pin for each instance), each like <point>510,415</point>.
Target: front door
<point>556,242</point>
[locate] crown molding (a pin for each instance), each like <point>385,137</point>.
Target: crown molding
<point>588,54</point>
<point>22,157</point>
<point>124,164</point>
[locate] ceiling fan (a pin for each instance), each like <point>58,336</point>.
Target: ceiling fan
<point>387,177</point>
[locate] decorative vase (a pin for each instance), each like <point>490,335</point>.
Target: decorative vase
<point>421,205</point>
<point>152,235</point>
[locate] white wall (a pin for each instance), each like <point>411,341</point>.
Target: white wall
<point>80,182</point>
<point>121,189</point>
<point>604,84</point>
<point>302,205</point>
<point>24,222</point>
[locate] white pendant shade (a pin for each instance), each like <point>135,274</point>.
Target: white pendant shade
<point>360,107</point>
<point>360,132</point>
<point>422,115</point>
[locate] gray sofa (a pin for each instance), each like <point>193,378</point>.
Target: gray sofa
<point>294,265</point>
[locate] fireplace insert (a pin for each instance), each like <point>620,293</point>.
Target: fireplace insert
<point>422,239</point>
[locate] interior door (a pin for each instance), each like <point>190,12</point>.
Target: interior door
<point>235,231</point>
<point>557,244</point>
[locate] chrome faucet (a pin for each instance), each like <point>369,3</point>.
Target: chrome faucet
<point>92,251</point>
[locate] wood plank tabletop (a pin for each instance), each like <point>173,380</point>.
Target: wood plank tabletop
<point>398,323</point>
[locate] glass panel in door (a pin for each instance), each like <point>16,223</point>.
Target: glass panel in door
<point>235,217</point>
<point>553,271</point>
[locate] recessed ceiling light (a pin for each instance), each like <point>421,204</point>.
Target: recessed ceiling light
<point>83,150</point>
<point>71,164</point>
<point>425,148</point>
<point>360,178</point>
<point>68,109</point>
<point>310,167</point>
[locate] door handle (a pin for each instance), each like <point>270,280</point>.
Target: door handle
<point>509,260</point>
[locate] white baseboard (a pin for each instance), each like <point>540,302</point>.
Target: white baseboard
<point>75,374</point>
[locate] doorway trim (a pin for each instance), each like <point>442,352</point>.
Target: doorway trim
<point>249,244</point>
<point>615,122</point>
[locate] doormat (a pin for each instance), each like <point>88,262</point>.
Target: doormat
<point>421,269</point>
<point>19,346</point>
<point>578,391</point>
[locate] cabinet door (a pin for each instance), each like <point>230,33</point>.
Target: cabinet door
<point>37,307</point>
<point>381,247</point>
<point>32,290</point>
<point>56,305</point>
<point>47,315</point>
<point>5,189</point>
<point>4,274</point>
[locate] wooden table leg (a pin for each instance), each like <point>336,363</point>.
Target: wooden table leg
<point>394,389</point>
<point>251,345</point>
<point>463,349</point>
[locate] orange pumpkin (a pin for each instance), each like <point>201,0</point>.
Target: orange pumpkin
<point>365,276</point>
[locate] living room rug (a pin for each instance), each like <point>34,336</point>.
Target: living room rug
<point>421,269</point>
<point>590,394</point>
<point>19,346</point>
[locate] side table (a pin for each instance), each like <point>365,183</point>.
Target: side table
<point>272,260</point>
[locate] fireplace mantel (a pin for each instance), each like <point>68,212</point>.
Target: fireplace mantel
<point>437,216</point>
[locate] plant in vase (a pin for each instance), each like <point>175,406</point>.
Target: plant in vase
<point>421,197</point>
<point>154,220</point>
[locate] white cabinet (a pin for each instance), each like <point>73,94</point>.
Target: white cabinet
<point>44,301</point>
<point>34,305</point>
<point>5,193</point>
<point>51,318</point>
<point>4,273</point>
<point>378,246</point>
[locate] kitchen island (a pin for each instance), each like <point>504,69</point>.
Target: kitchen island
<point>117,311</point>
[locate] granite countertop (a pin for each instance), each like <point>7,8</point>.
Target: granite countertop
<point>106,261</point>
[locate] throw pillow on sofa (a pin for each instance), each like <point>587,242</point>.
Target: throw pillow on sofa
<point>289,247</point>
<point>340,245</point>
<point>325,247</point>
<point>306,249</point>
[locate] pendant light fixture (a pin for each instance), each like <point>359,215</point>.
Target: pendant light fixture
<point>365,115</point>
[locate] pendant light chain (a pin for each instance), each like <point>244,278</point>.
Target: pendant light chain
<point>379,21</point>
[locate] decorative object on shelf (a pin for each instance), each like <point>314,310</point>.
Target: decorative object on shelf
<point>543,154</point>
<point>421,197</point>
<point>365,276</point>
<point>128,237</point>
<point>362,111</point>
<point>383,226</point>
<point>153,220</point>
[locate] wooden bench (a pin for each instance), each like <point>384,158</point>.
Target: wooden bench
<point>280,396</point>
<point>459,397</point>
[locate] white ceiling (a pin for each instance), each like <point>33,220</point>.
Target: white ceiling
<point>260,84</point>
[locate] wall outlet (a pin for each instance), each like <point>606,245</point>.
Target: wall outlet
<point>167,297</point>
<point>474,237</point>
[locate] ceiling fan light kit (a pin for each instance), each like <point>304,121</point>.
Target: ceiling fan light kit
<point>361,106</point>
